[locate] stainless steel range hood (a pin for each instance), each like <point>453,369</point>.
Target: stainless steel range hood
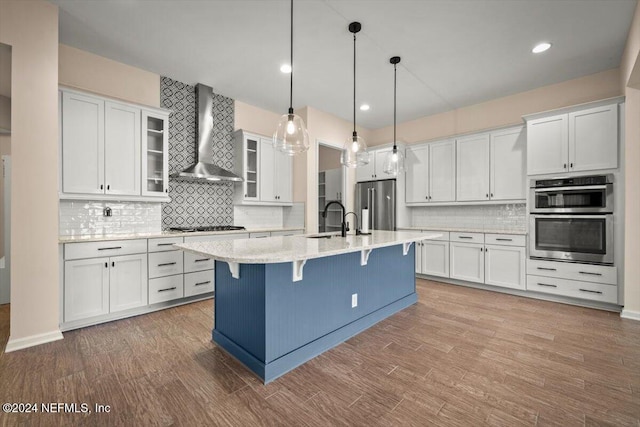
<point>203,169</point>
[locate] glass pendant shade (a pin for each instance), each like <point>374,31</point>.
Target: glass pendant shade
<point>394,162</point>
<point>291,135</point>
<point>354,152</point>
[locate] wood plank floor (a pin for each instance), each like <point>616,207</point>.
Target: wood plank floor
<point>459,357</point>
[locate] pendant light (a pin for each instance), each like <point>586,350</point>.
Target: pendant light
<point>354,152</point>
<point>291,136</point>
<point>394,162</point>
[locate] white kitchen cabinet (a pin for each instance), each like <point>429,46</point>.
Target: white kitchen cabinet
<point>101,146</point>
<point>86,288</point>
<point>333,185</point>
<point>472,168</point>
<point>127,282</point>
<point>374,170</point>
<point>431,172</point>
<point>82,125</point>
<point>434,258</point>
<point>418,256</point>
<point>467,261</point>
<point>155,154</point>
<point>266,172</point>
<point>580,140</point>
<point>121,149</point>
<point>505,266</point>
<point>508,157</point>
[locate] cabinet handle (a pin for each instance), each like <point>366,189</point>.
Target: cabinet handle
<point>548,286</point>
<point>571,165</point>
<point>499,239</point>
<point>480,249</point>
<point>426,197</point>
<point>101,187</point>
<point>487,195</point>
<point>106,265</point>
<point>491,194</point>
<point>202,259</point>
<point>486,249</point>
<point>110,248</point>
<point>167,289</point>
<point>465,237</point>
<point>202,283</point>
<point>113,263</point>
<point>590,291</point>
<point>429,197</point>
<point>166,263</point>
<point>166,190</point>
<point>590,273</point>
<point>546,269</point>
<point>108,186</point>
<point>564,166</point>
<point>164,244</point>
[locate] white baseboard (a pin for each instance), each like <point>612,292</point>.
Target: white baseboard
<point>33,340</point>
<point>629,314</point>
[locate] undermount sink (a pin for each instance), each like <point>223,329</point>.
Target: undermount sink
<point>328,236</point>
<point>324,235</point>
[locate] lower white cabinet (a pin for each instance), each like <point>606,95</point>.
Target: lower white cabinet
<point>434,258</point>
<point>504,266</point>
<point>97,286</point>
<point>166,288</point>
<point>467,261</point>
<point>86,288</point>
<point>199,282</point>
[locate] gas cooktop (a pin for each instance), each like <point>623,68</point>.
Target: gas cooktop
<point>207,228</point>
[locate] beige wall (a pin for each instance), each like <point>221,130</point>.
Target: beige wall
<point>86,71</point>
<point>328,158</point>
<point>504,111</point>
<point>31,28</point>
<point>630,81</point>
<point>255,119</point>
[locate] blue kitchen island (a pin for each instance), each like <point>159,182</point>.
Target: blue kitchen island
<point>280,301</point>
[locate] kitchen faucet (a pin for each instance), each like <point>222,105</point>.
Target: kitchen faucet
<point>355,215</point>
<point>343,225</point>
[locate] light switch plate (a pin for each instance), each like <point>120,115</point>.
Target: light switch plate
<point>354,300</point>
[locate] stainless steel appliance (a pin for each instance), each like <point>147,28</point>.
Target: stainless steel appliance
<point>380,198</point>
<point>572,219</point>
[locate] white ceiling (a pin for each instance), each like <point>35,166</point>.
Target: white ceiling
<point>454,52</point>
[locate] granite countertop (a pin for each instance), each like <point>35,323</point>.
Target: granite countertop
<point>296,248</point>
<point>466,230</point>
<point>159,234</point>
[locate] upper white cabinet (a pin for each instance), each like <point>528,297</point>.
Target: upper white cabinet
<point>580,140</point>
<point>472,172</point>
<point>491,166</point>
<point>102,153</point>
<point>508,163</point>
<point>431,172</point>
<point>374,170</point>
<point>267,172</point>
<point>83,144</point>
<point>155,150</point>
<point>121,149</point>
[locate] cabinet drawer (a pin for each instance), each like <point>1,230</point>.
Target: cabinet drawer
<point>574,271</point>
<point>163,244</point>
<point>106,248</point>
<point>466,237</point>
<point>573,288</point>
<point>198,283</point>
<point>194,262</point>
<point>165,263</point>
<point>505,239</point>
<point>444,237</point>
<point>166,288</point>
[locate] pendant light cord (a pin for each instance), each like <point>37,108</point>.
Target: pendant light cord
<point>395,85</point>
<point>291,64</point>
<point>354,84</point>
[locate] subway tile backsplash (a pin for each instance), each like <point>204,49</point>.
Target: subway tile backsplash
<point>482,217</point>
<point>82,217</point>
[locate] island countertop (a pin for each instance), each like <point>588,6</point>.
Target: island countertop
<point>277,249</point>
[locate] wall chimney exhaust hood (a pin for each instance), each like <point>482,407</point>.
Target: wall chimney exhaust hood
<point>203,169</point>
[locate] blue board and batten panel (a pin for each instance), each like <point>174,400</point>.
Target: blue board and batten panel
<point>273,324</point>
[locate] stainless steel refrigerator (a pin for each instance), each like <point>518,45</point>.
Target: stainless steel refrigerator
<point>380,198</point>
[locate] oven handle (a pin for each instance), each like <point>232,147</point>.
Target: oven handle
<point>577,187</point>
<point>595,216</point>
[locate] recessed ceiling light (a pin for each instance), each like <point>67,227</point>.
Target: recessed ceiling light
<point>285,68</point>
<point>364,107</point>
<point>541,47</point>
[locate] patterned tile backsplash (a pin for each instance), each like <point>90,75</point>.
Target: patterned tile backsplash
<point>81,218</point>
<point>196,203</point>
<point>485,217</point>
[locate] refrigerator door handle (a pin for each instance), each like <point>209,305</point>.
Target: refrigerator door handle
<point>373,207</point>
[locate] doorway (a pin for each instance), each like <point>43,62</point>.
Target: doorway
<point>5,193</point>
<point>331,179</point>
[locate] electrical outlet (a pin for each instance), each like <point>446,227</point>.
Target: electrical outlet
<point>354,300</point>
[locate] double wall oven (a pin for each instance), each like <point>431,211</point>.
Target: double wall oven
<point>572,219</point>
